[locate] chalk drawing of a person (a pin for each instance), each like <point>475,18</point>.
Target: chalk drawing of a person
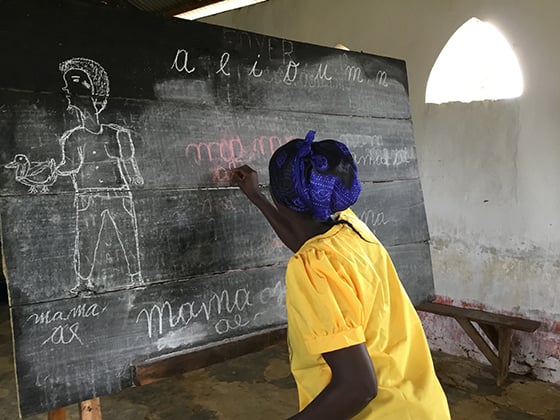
<point>99,158</point>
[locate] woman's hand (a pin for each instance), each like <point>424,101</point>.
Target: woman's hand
<point>247,179</point>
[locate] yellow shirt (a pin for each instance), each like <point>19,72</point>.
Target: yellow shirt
<point>342,291</point>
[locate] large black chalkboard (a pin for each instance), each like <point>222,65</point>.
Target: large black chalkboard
<point>174,256</point>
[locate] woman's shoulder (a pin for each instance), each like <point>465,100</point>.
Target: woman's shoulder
<point>348,216</point>
<point>348,238</point>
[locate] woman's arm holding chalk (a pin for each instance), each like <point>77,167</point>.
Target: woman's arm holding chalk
<point>247,179</point>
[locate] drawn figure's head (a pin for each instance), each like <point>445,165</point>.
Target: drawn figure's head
<point>317,179</point>
<point>85,80</point>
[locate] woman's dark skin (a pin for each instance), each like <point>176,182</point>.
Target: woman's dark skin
<point>353,383</point>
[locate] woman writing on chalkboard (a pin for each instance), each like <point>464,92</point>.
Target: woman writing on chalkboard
<point>356,344</point>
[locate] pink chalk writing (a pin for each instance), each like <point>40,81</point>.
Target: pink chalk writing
<point>231,151</point>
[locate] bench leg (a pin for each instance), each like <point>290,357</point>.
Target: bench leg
<point>504,353</point>
<point>500,337</point>
<point>477,339</point>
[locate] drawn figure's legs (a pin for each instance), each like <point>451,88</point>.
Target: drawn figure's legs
<point>89,225</point>
<point>123,216</point>
<point>93,212</point>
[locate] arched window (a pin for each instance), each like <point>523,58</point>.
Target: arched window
<point>476,64</point>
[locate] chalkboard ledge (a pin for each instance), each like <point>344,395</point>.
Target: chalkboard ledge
<point>161,367</point>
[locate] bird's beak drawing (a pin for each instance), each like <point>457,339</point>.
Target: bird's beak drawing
<point>12,164</point>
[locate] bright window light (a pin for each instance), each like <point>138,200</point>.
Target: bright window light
<point>476,64</point>
<point>214,9</point>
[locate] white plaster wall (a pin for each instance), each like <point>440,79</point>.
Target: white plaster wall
<point>490,170</point>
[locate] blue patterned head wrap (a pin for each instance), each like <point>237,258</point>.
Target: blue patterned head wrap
<point>314,178</point>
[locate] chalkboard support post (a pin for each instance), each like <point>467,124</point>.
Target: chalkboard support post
<point>90,409</point>
<point>57,414</point>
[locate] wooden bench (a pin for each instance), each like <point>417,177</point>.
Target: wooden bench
<point>495,328</point>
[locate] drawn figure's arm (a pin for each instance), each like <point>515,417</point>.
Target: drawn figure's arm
<point>126,147</point>
<point>72,156</point>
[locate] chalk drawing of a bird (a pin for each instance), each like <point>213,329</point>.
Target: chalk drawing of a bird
<point>38,176</point>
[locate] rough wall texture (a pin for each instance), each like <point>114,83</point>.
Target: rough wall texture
<point>489,169</point>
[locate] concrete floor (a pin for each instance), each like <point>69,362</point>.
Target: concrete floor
<point>259,386</point>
